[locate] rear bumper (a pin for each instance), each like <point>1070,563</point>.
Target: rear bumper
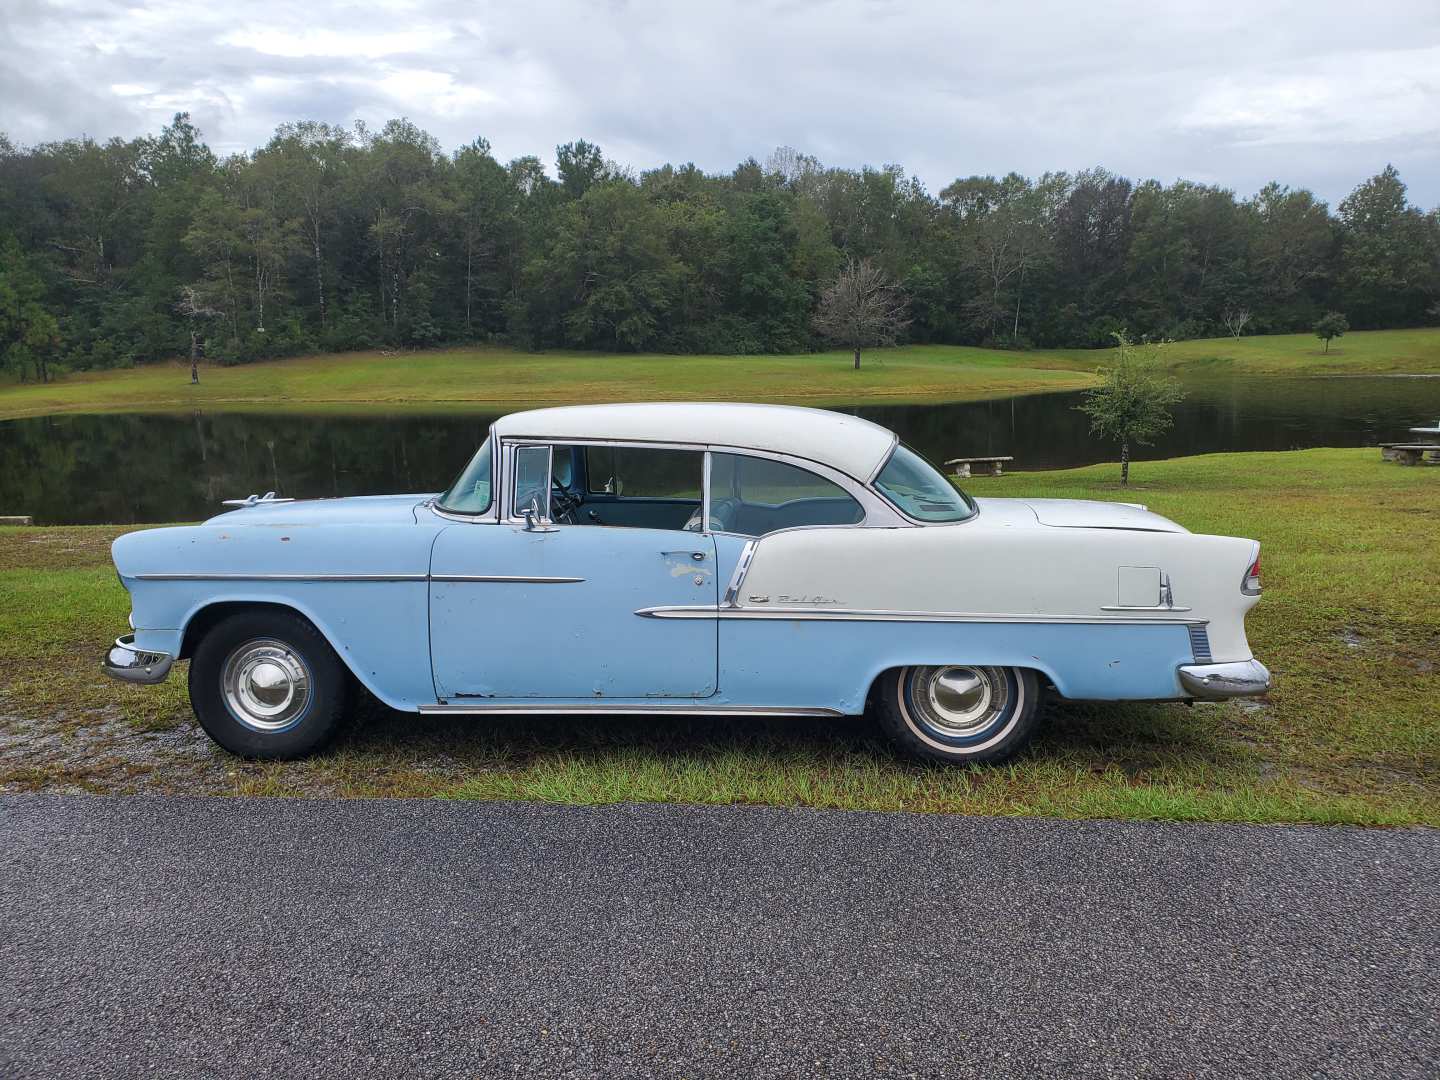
<point>125,662</point>
<point>1217,682</point>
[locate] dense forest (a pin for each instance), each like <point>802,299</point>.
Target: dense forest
<point>327,238</point>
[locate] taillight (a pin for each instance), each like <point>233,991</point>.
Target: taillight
<point>1251,585</point>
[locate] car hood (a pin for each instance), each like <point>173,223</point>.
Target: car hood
<point>362,509</point>
<point>1075,514</point>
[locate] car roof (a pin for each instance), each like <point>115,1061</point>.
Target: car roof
<point>854,446</point>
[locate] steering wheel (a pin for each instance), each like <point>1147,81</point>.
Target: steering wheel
<point>563,503</point>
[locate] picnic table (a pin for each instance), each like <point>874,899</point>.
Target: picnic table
<point>991,466</point>
<point>1435,431</point>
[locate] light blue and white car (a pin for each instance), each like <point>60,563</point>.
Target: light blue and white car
<point>665,559</point>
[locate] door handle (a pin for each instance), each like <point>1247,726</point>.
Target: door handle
<point>698,556</point>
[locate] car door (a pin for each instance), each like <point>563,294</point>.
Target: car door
<point>548,610</point>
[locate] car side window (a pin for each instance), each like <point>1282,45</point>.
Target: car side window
<point>637,472</point>
<point>532,479</point>
<point>754,496</point>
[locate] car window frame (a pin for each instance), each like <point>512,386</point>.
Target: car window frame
<point>879,512</point>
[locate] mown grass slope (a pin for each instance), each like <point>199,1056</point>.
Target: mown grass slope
<point>504,378</point>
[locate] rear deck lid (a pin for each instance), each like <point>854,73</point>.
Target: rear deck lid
<point>1091,514</point>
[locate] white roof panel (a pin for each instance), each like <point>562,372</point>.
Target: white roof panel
<point>847,443</point>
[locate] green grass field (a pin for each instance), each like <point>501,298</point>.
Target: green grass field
<point>1349,625</point>
<point>504,378</point>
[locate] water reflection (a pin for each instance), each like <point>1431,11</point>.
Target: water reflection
<point>175,467</point>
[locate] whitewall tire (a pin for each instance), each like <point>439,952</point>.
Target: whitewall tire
<point>959,713</point>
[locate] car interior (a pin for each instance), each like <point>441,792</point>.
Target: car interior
<point>639,487</point>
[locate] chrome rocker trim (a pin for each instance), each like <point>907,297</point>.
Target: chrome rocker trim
<point>125,662</point>
<point>590,708</point>
<point>261,576</point>
<point>1218,682</point>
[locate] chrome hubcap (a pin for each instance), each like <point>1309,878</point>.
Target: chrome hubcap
<point>962,700</point>
<point>266,685</point>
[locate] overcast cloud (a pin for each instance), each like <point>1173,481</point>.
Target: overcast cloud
<point>1316,93</point>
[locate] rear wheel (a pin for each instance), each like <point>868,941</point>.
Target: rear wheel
<point>266,684</point>
<point>957,713</point>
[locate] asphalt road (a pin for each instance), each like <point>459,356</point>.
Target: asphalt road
<point>227,937</point>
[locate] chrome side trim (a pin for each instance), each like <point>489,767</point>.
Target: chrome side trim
<point>590,708</point>
<point>1142,607</point>
<point>514,578</point>
<point>700,611</point>
<point>1200,645</point>
<point>280,577</point>
<point>742,567</point>
<point>1218,682</point>
<point>128,664</point>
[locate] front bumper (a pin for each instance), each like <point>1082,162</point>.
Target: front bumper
<point>1217,682</point>
<point>128,664</point>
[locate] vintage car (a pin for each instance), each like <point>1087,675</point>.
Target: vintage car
<point>715,559</point>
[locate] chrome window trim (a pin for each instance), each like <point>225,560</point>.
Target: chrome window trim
<point>488,517</point>
<point>878,511</point>
<point>705,491</point>
<point>700,611</point>
<point>742,567</point>
<point>884,460</point>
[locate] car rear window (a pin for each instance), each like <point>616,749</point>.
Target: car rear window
<point>919,490</point>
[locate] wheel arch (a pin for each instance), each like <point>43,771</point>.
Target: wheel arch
<point>1044,673</point>
<point>206,616</point>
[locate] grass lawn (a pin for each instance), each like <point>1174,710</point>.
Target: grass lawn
<point>504,378</point>
<point>1367,352</point>
<point>1349,625</point>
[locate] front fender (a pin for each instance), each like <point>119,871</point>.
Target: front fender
<point>365,588</point>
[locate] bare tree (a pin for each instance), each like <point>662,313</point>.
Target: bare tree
<point>196,311</point>
<point>863,308</point>
<point>1235,320</point>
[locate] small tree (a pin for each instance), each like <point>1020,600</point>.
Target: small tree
<point>1331,325</point>
<point>1235,320</point>
<point>1133,404</point>
<point>863,308</point>
<point>197,312</point>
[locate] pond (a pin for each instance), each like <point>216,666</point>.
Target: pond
<point>127,468</point>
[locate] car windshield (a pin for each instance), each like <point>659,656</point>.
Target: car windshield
<point>470,494</point>
<point>918,489</point>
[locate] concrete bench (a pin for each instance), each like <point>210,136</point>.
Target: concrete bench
<point>992,466</point>
<point>1409,453</point>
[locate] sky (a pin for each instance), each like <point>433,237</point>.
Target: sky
<point>1317,93</point>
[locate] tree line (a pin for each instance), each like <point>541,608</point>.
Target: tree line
<point>330,238</point>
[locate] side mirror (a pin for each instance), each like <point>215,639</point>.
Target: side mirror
<point>531,515</point>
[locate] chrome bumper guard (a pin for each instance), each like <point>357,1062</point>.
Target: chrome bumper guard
<point>1217,682</point>
<point>129,664</point>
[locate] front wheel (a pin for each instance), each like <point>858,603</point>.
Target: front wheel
<point>959,714</point>
<point>266,684</point>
